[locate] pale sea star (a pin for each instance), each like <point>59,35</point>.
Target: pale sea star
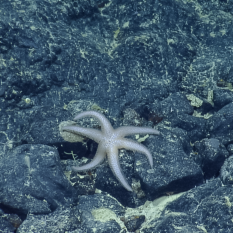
<point>110,140</point>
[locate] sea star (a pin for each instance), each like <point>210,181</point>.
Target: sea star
<point>110,140</point>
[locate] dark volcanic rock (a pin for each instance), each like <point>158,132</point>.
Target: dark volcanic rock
<point>164,64</point>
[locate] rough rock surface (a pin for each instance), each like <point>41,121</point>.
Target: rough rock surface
<point>159,63</point>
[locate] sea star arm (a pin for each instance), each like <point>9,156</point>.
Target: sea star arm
<point>106,126</point>
<point>134,146</point>
<point>99,157</point>
<point>86,132</point>
<point>113,160</point>
<point>128,130</point>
